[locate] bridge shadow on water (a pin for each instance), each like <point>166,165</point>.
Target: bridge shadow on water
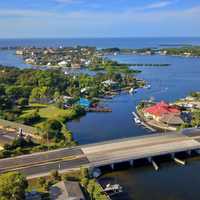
<point>161,161</point>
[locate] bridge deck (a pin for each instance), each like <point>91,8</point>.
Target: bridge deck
<point>144,147</point>
<point>104,153</point>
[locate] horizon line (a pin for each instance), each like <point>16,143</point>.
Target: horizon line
<point>106,37</point>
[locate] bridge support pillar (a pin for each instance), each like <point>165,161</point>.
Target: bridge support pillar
<point>153,163</point>
<point>150,159</point>
<point>172,155</point>
<point>131,162</point>
<point>178,161</point>
<point>112,166</point>
<point>198,151</point>
<point>189,152</point>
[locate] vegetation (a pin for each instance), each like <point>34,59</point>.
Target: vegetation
<point>91,187</point>
<point>196,118</point>
<point>12,186</point>
<point>35,99</point>
<point>195,95</point>
<point>183,51</point>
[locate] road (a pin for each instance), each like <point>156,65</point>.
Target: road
<point>104,153</point>
<point>7,137</point>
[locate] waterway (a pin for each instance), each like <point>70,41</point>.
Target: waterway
<point>172,182</point>
<point>169,83</point>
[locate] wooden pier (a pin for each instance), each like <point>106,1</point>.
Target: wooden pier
<point>98,109</point>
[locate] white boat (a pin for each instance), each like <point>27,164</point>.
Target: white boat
<point>147,86</point>
<point>137,120</point>
<point>131,91</point>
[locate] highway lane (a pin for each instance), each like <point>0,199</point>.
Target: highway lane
<point>45,169</point>
<point>38,158</point>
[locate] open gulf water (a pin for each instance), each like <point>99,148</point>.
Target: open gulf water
<point>171,182</point>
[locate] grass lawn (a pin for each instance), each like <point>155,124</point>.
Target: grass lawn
<point>48,112</point>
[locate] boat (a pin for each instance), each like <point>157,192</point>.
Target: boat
<point>113,189</point>
<point>137,120</point>
<point>131,91</point>
<point>147,86</point>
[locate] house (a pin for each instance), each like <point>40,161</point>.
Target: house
<point>62,64</point>
<point>171,119</point>
<point>109,83</point>
<point>84,102</point>
<point>33,195</point>
<point>165,113</point>
<point>19,52</point>
<point>76,65</point>
<point>30,61</point>
<point>66,190</point>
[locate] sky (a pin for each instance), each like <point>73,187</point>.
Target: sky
<point>99,18</point>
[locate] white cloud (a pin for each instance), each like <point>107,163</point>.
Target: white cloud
<point>68,1</point>
<point>160,4</point>
<point>23,13</point>
<point>156,5</point>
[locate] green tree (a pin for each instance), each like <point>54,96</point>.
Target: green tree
<point>22,102</point>
<point>12,186</point>
<point>51,129</point>
<point>55,175</point>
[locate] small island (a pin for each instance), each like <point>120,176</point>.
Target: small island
<point>82,57</point>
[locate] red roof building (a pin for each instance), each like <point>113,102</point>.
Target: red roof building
<point>161,109</point>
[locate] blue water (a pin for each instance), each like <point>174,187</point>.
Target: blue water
<point>169,83</point>
<point>101,42</point>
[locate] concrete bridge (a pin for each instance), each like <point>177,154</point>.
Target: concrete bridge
<point>104,153</point>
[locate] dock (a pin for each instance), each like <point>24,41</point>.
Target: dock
<point>98,109</point>
<point>142,122</point>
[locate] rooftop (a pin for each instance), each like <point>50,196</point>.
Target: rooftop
<point>162,108</point>
<point>66,190</point>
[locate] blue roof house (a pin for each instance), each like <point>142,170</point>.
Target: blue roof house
<point>84,102</point>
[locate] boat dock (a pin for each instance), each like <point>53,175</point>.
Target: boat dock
<point>98,109</point>
<point>140,122</point>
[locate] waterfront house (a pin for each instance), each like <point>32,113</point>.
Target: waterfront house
<point>66,190</point>
<point>109,83</point>
<point>62,63</point>
<point>75,65</point>
<point>164,113</point>
<point>84,103</point>
<point>33,195</point>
